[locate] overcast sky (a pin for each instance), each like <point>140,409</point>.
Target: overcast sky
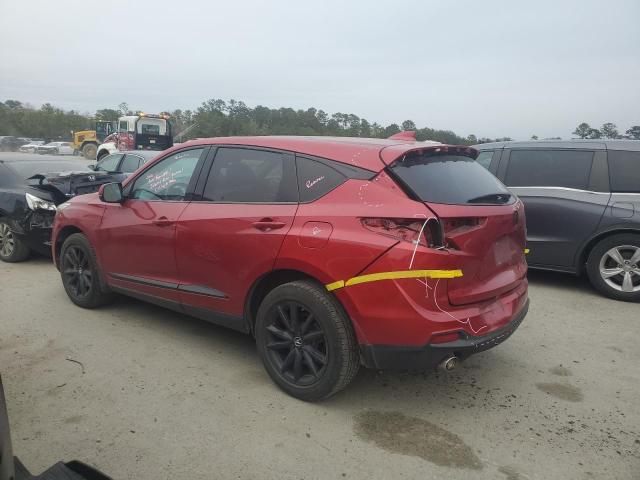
<point>491,68</point>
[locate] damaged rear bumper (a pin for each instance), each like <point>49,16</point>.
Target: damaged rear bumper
<point>427,357</point>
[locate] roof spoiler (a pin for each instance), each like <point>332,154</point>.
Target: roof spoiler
<point>409,135</point>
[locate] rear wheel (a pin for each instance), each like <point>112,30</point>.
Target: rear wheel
<point>89,151</point>
<point>12,248</point>
<point>81,274</point>
<point>614,267</point>
<point>306,341</point>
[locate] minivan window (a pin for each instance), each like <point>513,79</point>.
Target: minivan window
<point>624,171</point>
<point>549,168</point>
<point>242,175</point>
<point>449,178</point>
<point>484,158</point>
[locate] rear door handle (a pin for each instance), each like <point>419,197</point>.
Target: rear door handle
<point>267,224</point>
<point>163,222</point>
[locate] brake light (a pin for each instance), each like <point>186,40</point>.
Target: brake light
<point>454,227</point>
<point>425,232</point>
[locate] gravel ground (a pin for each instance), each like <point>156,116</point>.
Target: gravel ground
<point>141,392</point>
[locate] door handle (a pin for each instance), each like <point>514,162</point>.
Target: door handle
<point>268,224</point>
<point>162,222</point>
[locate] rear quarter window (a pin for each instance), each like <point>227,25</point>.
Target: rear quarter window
<point>316,179</point>
<point>624,171</point>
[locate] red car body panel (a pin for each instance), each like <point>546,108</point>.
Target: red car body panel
<point>228,248</point>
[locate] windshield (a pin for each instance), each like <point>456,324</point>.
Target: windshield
<point>29,169</point>
<point>451,179</point>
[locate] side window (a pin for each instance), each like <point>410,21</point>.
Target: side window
<point>244,175</point>
<point>168,179</point>
<point>624,171</point>
<point>109,163</point>
<point>484,158</point>
<point>131,163</point>
<point>549,168</point>
<point>316,179</point>
<point>124,126</point>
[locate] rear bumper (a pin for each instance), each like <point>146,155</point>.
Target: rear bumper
<point>420,359</point>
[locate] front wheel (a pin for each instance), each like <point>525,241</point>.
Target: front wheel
<point>614,267</point>
<point>12,249</point>
<point>306,341</point>
<point>81,274</point>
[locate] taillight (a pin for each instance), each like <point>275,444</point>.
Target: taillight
<point>425,232</point>
<point>454,227</point>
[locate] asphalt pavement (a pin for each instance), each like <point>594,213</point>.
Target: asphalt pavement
<point>142,392</point>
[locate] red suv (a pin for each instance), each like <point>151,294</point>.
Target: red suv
<point>332,252</point>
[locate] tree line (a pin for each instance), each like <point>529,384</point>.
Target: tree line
<point>216,117</point>
<point>608,130</point>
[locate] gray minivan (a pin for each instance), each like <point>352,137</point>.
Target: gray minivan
<point>582,203</point>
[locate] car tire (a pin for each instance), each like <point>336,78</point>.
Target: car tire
<point>12,248</point>
<point>81,276</point>
<point>613,267</point>
<point>89,151</point>
<point>306,341</point>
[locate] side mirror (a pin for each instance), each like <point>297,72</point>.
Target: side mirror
<point>111,193</point>
<point>92,166</point>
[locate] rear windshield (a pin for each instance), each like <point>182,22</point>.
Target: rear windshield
<point>452,179</point>
<point>29,169</point>
<point>152,126</point>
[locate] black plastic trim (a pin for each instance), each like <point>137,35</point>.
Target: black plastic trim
<point>202,290</point>
<point>144,281</point>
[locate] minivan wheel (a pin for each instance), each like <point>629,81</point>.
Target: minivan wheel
<point>12,249</point>
<point>306,341</point>
<point>80,273</point>
<point>614,267</point>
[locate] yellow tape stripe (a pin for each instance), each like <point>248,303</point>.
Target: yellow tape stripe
<point>335,285</point>
<point>375,277</point>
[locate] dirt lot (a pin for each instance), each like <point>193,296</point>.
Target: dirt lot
<point>162,396</point>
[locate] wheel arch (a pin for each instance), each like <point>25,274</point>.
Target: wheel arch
<point>63,234</point>
<point>265,284</point>
<point>595,239</point>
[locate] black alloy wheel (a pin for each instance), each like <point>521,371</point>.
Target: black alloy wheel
<point>80,273</point>
<point>297,344</point>
<point>76,272</point>
<point>306,340</point>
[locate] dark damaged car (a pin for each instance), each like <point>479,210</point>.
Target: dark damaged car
<point>30,192</point>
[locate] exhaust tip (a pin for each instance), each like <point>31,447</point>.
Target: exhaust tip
<point>449,363</point>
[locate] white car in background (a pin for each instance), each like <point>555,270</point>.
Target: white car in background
<point>31,146</point>
<point>56,148</point>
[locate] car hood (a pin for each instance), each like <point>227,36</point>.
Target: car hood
<point>64,185</point>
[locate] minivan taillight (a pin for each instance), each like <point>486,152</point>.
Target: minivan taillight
<point>425,232</point>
